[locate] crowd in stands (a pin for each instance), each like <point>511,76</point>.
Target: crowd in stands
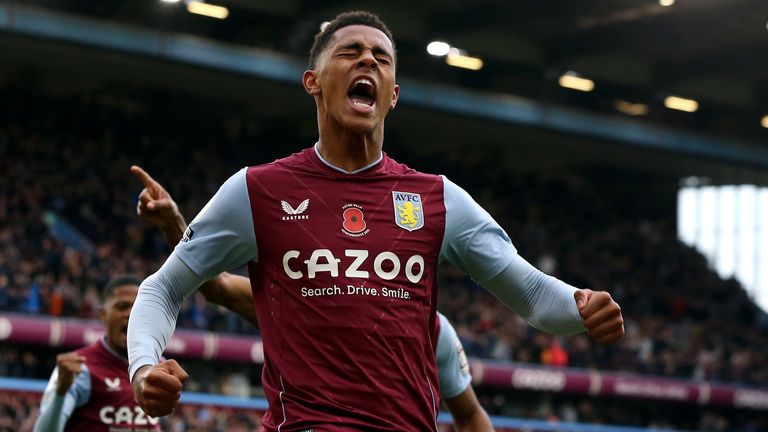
<point>682,320</point>
<point>68,223</point>
<point>18,412</point>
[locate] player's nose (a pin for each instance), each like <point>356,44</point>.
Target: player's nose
<point>367,60</point>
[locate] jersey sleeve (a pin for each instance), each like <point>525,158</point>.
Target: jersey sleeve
<point>55,410</point>
<point>452,366</point>
<point>546,302</point>
<point>221,237</point>
<point>153,316</point>
<point>473,241</point>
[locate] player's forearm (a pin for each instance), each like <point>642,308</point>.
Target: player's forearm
<point>468,415</point>
<point>173,230</point>
<point>223,290</point>
<point>477,422</point>
<point>154,314</point>
<point>51,418</point>
<point>544,301</point>
<point>232,292</point>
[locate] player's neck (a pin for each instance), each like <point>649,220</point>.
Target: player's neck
<point>116,349</point>
<point>350,151</point>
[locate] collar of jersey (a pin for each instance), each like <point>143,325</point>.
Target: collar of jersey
<point>109,349</point>
<point>342,170</point>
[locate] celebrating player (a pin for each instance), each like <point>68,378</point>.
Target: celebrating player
<point>342,245</point>
<point>234,292</point>
<point>89,389</point>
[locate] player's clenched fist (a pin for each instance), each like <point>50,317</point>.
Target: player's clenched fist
<point>69,364</point>
<point>158,388</point>
<point>601,315</point>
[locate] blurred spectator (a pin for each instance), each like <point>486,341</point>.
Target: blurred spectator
<point>554,354</point>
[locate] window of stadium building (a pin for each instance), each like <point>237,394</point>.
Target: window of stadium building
<point>728,224</point>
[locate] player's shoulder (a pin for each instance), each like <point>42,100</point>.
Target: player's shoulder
<point>93,348</point>
<point>295,160</point>
<point>394,167</point>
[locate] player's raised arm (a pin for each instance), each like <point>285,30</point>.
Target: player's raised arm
<point>156,206</point>
<point>221,237</point>
<point>68,387</point>
<point>479,246</point>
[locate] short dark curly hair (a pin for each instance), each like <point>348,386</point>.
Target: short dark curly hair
<point>117,282</point>
<point>346,19</point>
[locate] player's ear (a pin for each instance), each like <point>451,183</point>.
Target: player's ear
<point>102,314</point>
<point>311,82</point>
<point>395,96</point>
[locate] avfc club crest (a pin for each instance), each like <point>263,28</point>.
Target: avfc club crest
<point>409,212</point>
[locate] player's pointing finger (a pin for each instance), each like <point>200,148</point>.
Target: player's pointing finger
<point>144,178</point>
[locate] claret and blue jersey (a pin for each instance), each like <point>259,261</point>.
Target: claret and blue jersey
<point>344,270</point>
<point>100,399</point>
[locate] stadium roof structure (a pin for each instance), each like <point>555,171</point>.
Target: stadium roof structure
<point>636,51</point>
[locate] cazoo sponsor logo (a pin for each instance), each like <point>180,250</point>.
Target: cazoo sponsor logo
<point>537,379</point>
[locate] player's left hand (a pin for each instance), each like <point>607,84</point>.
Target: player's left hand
<point>601,315</point>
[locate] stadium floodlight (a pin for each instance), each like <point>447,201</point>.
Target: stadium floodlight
<point>764,121</point>
<point>574,81</point>
<point>681,104</point>
<point>170,1</point>
<point>207,9</point>
<point>633,109</point>
<point>438,48</point>
<point>666,2</point>
<point>459,59</point>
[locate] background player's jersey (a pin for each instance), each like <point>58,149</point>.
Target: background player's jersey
<point>345,267</point>
<point>101,398</point>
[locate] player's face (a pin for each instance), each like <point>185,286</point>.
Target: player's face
<point>355,79</point>
<point>114,313</point>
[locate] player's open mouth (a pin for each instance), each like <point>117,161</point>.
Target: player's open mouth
<point>362,95</point>
<point>124,329</point>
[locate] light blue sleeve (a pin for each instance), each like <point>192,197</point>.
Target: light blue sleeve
<point>473,241</point>
<point>545,302</point>
<point>221,237</point>
<point>154,313</point>
<point>56,410</point>
<point>452,365</point>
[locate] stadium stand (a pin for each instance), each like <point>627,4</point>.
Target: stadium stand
<point>68,224</point>
<point>65,232</point>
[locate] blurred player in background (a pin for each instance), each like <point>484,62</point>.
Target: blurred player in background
<point>234,292</point>
<point>89,389</point>
<point>342,245</point>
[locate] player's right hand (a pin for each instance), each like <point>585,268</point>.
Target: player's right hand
<point>70,365</point>
<point>155,203</point>
<point>158,388</point>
